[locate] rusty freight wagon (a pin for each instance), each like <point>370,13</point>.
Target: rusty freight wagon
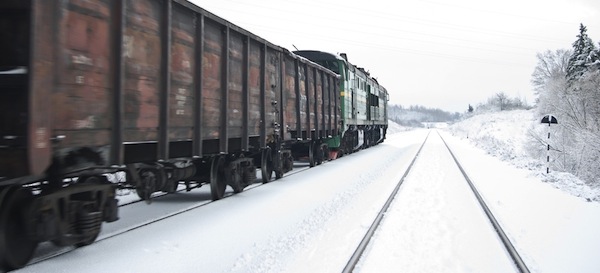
<point>161,91</point>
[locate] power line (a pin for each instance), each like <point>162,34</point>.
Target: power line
<point>366,19</point>
<point>375,46</point>
<point>367,16</point>
<point>497,12</point>
<point>393,33</point>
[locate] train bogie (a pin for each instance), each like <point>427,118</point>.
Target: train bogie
<point>69,216</point>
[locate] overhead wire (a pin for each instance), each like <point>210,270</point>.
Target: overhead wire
<point>384,14</point>
<point>373,46</point>
<point>307,20</point>
<point>497,12</point>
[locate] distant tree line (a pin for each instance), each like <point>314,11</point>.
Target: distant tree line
<point>501,102</point>
<point>416,115</point>
<point>567,85</point>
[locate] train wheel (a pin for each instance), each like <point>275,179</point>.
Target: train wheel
<point>237,188</point>
<point>148,178</point>
<point>322,153</point>
<point>279,166</point>
<point>288,162</point>
<point>218,183</point>
<point>16,248</point>
<point>236,180</point>
<point>311,154</point>
<point>94,218</point>
<point>266,165</point>
<point>172,186</point>
<point>89,240</point>
<point>325,152</point>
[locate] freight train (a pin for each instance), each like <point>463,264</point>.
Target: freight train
<point>165,93</point>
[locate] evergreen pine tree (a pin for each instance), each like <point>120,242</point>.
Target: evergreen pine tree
<point>579,60</point>
<point>594,58</point>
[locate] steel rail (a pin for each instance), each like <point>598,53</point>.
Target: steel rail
<point>353,261</point>
<point>521,266</point>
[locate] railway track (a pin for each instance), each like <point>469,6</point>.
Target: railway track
<point>47,251</point>
<point>156,245</point>
<point>360,250</point>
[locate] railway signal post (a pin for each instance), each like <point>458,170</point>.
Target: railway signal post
<point>550,119</point>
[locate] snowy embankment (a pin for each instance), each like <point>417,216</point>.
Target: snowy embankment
<point>508,136</point>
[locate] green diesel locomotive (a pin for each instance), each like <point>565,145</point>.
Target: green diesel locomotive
<point>363,103</point>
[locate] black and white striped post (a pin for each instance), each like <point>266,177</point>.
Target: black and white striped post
<point>550,119</point>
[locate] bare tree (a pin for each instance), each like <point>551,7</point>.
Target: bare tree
<point>552,66</point>
<point>502,100</point>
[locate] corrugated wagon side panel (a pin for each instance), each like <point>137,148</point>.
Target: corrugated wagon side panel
<point>302,78</point>
<point>181,110</point>
<point>142,53</point>
<point>273,90</point>
<point>311,98</point>
<point>338,106</point>
<point>289,94</point>
<point>320,112</point>
<point>83,90</point>
<point>236,93</point>
<point>331,104</point>
<point>335,105</point>
<point>254,80</point>
<point>211,79</point>
<point>41,85</point>
<point>327,117</point>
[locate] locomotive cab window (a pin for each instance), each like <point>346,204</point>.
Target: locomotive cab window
<point>374,100</point>
<point>331,65</point>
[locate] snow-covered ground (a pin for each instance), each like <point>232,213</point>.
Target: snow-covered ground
<point>507,135</point>
<point>553,230</point>
<point>313,220</point>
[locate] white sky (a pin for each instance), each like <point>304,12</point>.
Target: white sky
<point>442,54</point>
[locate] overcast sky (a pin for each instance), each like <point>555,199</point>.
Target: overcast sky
<point>434,53</point>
